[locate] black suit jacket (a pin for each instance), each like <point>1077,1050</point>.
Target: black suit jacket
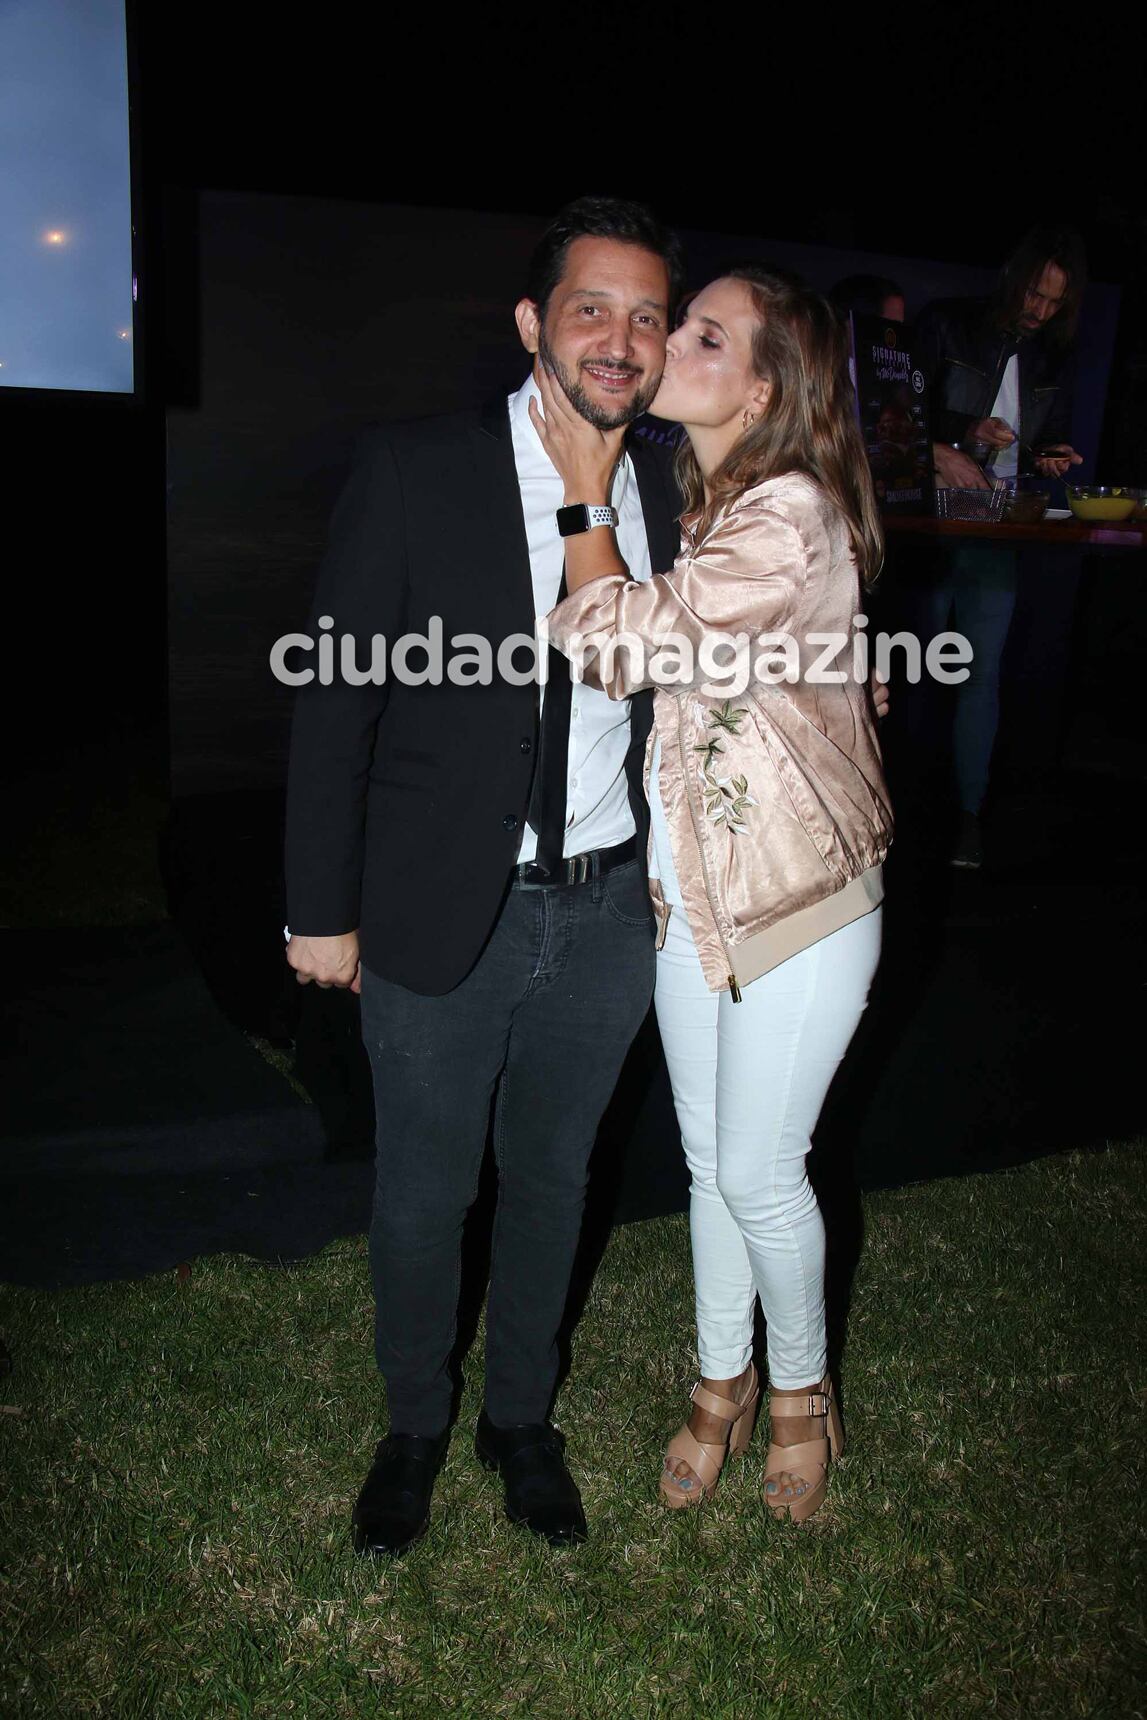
<point>406,805</point>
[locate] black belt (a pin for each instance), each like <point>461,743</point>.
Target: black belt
<point>577,868</point>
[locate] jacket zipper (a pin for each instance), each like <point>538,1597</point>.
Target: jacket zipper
<point>734,988</point>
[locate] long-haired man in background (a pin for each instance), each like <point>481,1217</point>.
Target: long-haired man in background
<point>1000,400</point>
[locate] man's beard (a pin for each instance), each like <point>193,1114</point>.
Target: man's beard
<point>599,416</point>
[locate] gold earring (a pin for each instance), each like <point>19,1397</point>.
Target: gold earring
<point>747,418</point>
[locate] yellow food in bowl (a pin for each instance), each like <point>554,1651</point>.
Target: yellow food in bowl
<point>1102,507</point>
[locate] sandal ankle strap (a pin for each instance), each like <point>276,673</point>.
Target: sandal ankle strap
<point>799,1403</point>
<point>726,1408</point>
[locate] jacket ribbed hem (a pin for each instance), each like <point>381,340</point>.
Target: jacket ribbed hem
<point>768,949</point>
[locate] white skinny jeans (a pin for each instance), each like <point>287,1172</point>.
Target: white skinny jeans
<point>749,1080</point>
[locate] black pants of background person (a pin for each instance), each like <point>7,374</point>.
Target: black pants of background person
<point>971,590</point>
<point>540,1029</point>
<point>1020,610</point>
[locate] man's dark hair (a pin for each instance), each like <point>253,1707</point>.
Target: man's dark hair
<point>1062,246</point>
<point>600,218</point>
<point>863,295</point>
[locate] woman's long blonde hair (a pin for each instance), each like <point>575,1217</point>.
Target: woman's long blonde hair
<point>809,425</point>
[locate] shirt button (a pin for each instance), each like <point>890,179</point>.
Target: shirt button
<point>525,744</point>
<point>509,822</point>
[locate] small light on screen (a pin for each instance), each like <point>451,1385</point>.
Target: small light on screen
<point>66,290</point>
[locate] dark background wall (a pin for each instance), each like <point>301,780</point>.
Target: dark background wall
<point>314,317</point>
<point>940,137</point>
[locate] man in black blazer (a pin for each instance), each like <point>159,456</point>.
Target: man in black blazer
<point>477,869</point>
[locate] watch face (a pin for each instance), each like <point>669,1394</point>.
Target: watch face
<point>573,519</point>
<point>577,517</point>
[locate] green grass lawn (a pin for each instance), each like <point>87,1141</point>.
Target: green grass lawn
<point>180,1457</point>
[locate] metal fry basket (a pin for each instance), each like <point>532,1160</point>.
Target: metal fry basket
<point>971,504</point>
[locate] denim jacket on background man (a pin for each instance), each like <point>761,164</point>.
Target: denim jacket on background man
<point>964,354</point>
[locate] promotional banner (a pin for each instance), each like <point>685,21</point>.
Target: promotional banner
<point>892,401</point>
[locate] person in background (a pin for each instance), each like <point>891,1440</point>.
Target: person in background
<point>1000,404</point>
<point>868,296</point>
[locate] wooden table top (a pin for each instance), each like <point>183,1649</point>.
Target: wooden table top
<point>1110,534</point>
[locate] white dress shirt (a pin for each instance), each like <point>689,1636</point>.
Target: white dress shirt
<point>1005,462</point>
<point>597,793</point>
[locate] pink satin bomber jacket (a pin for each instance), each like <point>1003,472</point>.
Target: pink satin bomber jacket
<point>774,795</point>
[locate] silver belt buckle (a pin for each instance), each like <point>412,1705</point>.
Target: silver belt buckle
<point>575,869</point>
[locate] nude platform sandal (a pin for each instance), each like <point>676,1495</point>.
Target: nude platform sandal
<point>707,1459</point>
<point>806,1462</point>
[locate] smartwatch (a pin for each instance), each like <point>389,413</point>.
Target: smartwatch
<point>581,518</point>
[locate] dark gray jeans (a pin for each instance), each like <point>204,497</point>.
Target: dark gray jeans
<point>540,1027</point>
<point>975,593</point>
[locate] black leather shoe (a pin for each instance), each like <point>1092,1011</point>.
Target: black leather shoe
<point>540,1490</point>
<point>393,1509</point>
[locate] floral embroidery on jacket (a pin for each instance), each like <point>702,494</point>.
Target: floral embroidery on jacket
<point>726,797</point>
